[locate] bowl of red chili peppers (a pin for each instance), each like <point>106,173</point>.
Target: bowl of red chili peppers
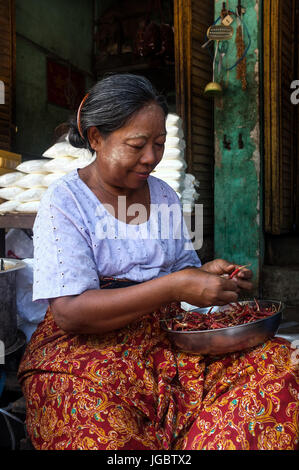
<point>226,329</point>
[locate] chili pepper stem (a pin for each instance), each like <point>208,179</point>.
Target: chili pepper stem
<point>237,270</point>
<point>257,305</point>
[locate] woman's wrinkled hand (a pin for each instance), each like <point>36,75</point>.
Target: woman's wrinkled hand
<point>225,269</point>
<point>218,266</point>
<point>199,287</point>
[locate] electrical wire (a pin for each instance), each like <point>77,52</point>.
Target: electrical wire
<point>248,45</point>
<point>4,412</point>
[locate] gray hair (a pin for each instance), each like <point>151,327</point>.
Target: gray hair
<point>110,103</point>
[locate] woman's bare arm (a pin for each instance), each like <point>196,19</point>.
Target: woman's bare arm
<point>100,311</point>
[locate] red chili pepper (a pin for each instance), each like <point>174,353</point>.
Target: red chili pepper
<point>238,270</point>
<point>235,314</point>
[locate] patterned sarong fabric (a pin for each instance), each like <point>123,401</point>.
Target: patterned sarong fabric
<point>131,390</point>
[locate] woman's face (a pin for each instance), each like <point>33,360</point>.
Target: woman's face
<point>128,155</point>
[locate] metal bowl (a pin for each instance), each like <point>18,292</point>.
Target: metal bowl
<point>230,339</point>
<point>10,265</point>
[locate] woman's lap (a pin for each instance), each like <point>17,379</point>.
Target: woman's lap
<point>253,406</point>
<point>67,413</point>
<point>140,394</point>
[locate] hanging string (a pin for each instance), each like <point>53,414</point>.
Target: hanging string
<point>241,67</point>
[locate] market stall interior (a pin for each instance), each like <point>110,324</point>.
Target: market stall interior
<point>213,61</point>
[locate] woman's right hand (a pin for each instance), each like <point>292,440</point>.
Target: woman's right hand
<point>204,289</point>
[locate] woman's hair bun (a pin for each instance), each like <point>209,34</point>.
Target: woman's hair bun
<point>75,138</point>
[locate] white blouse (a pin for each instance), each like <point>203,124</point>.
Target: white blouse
<point>77,240</point>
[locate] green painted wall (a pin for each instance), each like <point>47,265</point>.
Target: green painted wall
<point>64,27</point>
<point>238,204</point>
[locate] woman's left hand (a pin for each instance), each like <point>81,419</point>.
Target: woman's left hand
<point>225,268</point>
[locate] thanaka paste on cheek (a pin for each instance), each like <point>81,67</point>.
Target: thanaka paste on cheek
<point>116,156</point>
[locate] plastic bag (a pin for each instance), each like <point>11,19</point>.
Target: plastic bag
<point>173,153</point>
<point>31,206</point>
<point>9,179</point>
<point>52,177</point>
<point>175,131</point>
<point>175,184</point>
<point>65,149</point>
<point>173,120</point>
<point>168,172</point>
<point>60,164</point>
<point>18,243</point>
<point>171,164</point>
<point>78,163</point>
<point>31,180</point>
<point>175,142</point>
<point>8,206</point>
<point>32,166</point>
<point>10,193</point>
<point>33,194</point>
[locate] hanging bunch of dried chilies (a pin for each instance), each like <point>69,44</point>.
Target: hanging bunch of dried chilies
<point>241,66</point>
<point>233,315</point>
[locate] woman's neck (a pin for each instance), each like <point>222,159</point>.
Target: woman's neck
<point>109,195</point>
<point>92,178</point>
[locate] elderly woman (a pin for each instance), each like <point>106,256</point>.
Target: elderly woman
<point>99,373</point>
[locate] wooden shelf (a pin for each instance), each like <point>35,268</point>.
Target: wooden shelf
<point>17,220</point>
